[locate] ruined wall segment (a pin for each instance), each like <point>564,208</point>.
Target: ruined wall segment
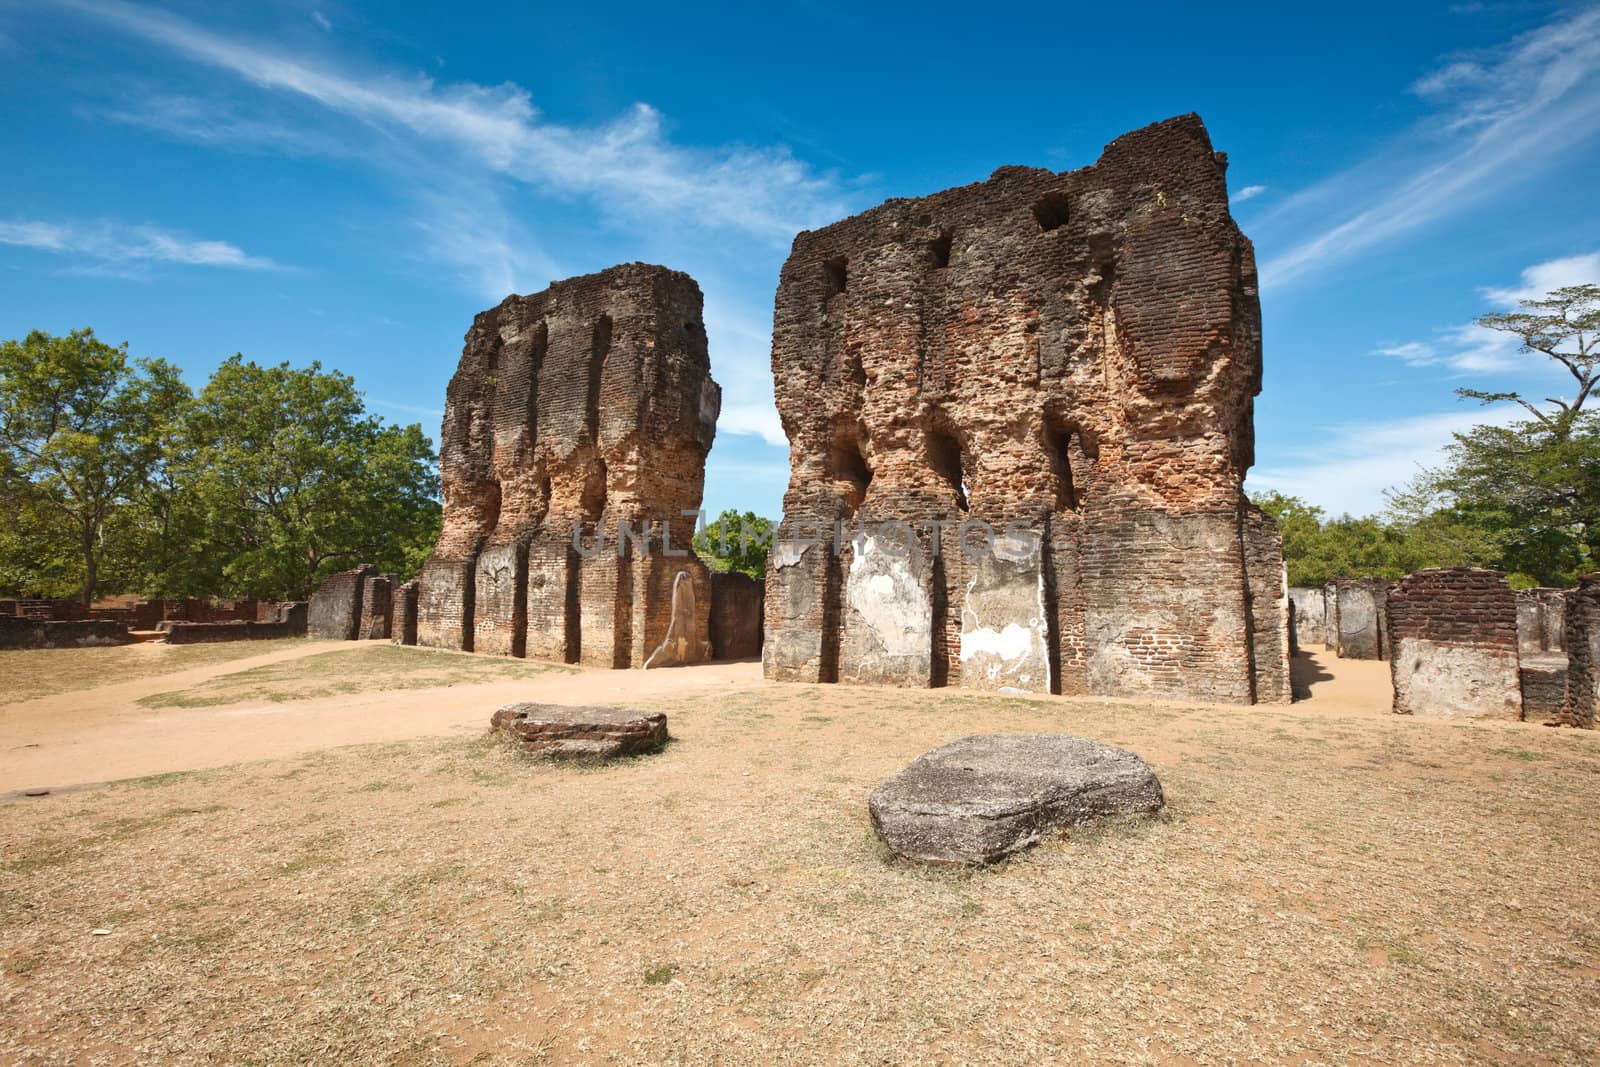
<point>1583,653</point>
<point>1452,635</point>
<point>1074,354</point>
<point>592,399</point>
<point>1356,617</point>
<point>1310,606</point>
<point>335,609</point>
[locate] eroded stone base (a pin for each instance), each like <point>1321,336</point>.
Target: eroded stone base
<point>560,732</point>
<point>980,799</point>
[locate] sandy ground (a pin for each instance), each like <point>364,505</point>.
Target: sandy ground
<point>1329,883</point>
<point>102,734</point>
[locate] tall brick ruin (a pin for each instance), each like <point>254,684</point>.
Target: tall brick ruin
<point>1074,353</point>
<point>591,399</point>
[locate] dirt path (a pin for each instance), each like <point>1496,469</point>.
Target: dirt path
<point>103,734</point>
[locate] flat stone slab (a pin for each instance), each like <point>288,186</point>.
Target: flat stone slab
<point>982,798</point>
<point>562,732</point>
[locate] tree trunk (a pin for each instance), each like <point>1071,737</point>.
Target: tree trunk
<point>91,564</point>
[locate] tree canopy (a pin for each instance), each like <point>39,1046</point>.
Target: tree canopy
<point>270,479</point>
<point>736,541</point>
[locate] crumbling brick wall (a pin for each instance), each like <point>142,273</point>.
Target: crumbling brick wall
<point>1452,634</point>
<point>591,399</point>
<point>1583,652</point>
<point>1073,353</point>
<point>403,630</point>
<point>377,606</point>
<point>335,609</point>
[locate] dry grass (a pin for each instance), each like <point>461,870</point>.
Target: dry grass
<point>31,673</point>
<point>366,669</point>
<point>1318,890</point>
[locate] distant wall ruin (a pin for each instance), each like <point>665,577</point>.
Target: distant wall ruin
<point>1355,617</point>
<point>1070,358</point>
<point>1452,634</point>
<point>1310,607</point>
<point>335,610</point>
<point>590,401</point>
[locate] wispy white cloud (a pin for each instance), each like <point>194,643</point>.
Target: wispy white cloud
<point>322,20</point>
<point>109,242</point>
<point>759,420</point>
<point>1472,349</point>
<point>629,165</point>
<point>1249,192</point>
<point>1345,467</point>
<point>1502,117</point>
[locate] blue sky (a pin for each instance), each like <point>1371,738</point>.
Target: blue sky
<point>352,182</point>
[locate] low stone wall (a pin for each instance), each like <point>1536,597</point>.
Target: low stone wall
<point>1453,645</point>
<point>195,633</point>
<point>736,615</point>
<point>1310,608</point>
<point>19,632</point>
<point>1583,652</point>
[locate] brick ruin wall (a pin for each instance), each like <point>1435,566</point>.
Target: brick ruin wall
<point>1452,634</point>
<point>1310,607</point>
<point>1583,653</point>
<point>377,606</point>
<point>1073,353</point>
<point>1542,643</point>
<point>1355,617</point>
<point>335,609</point>
<point>403,624</point>
<point>591,399</point>
<point>736,610</point>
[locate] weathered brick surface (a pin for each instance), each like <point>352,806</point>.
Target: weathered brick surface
<point>1075,352</point>
<point>736,606</point>
<point>403,629</point>
<point>335,609</point>
<point>1583,652</point>
<point>377,608</point>
<point>1544,687</point>
<point>590,400</point>
<point>1452,636</point>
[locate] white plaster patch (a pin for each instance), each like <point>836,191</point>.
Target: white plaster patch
<point>1454,682</point>
<point>887,597</point>
<point>788,553</point>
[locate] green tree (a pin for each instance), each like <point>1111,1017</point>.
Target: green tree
<point>293,481</point>
<point>1528,494</point>
<point>736,541</point>
<point>81,427</point>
